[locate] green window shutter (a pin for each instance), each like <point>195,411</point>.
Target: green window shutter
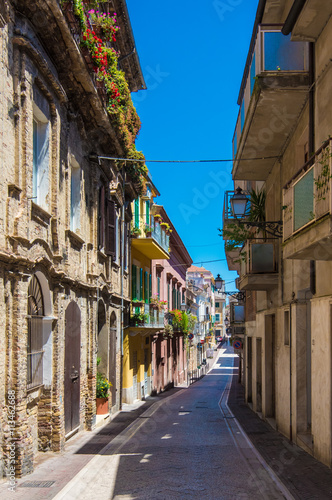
<point>146,288</point>
<point>168,296</point>
<point>174,298</point>
<point>150,286</point>
<point>134,283</point>
<point>147,212</point>
<point>136,213</point>
<point>141,284</point>
<point>158,286</point>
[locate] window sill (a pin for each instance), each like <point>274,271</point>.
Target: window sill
<point>102,254</point>
<point>74,238</point>
<point>40,215</point>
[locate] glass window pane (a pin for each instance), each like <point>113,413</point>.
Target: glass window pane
<point>252,73</point>
<point>281,53</point>
<point>304,200</point>
<point>262,258</point>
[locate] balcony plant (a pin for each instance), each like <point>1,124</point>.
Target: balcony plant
<point>323,180</point>
<point>168,331</point>
<point>148,230</point>
<point>236,234</point>
<point>139,319</point>
<point>165,226</point>
<point>157,303</point>
<point>135,231</point>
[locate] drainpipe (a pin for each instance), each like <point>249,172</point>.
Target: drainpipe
<point>290,375</point>
<point>292,16</point>
<point>122,288</point>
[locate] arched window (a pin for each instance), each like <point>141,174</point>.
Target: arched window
<point>35,334</point>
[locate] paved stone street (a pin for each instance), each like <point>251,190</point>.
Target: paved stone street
<point>186,445</point>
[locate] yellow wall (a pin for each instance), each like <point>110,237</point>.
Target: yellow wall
<point>131,344</point>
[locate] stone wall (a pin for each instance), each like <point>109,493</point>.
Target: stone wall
<point>38,240</point>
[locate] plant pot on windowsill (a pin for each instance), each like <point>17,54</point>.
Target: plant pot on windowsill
<point>101,406</point>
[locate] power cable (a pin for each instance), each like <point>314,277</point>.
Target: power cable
<point>97,157</point>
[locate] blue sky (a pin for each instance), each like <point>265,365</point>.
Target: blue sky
<point>192,58</point>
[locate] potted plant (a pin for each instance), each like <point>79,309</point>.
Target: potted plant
<point>148,230</point>
<point>135,232</point>
<point>102,394</point>
<point>158,218</point>
<point>139,319</point>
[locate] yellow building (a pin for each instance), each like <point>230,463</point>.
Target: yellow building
<point>149,241</point>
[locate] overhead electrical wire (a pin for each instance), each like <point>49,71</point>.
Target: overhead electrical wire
<point>182,161</point>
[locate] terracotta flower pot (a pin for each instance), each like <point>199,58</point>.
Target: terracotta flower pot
<point>101,406</point>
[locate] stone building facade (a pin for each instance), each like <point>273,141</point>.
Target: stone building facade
<point>64,274</point>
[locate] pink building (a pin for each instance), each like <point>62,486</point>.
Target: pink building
<point>169,360</point>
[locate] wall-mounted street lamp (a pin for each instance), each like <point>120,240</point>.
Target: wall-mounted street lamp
<point>219,283</point>
<point>239,205</point>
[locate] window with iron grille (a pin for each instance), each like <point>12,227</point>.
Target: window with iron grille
<point>35,334</point>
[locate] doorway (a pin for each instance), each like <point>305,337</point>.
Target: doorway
<point>72,367</point>
<point>249,373</point>
<point>112,357</point>
<point>259,375</point>
<point>270,367</point>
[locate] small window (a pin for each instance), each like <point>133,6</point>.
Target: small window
<point>40,175</point>
<point>286,328</point>
<point>217,318</point>
<point>75,198</point>
<point>217,304</point>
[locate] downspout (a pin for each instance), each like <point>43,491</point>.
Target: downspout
<point>122,288</point>
<point>292,16</point>
<point>311,140</point>
<point>290,375</point>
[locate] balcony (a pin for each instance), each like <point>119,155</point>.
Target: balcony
<point>152,241</point>
<point>259,266</point>
<point>237,319</point>
<point>307,203</point>
<point>146,318</point>
<point>312,20</point>
<point>274,89</point>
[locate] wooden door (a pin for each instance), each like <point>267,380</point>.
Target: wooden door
<point>72,366</point>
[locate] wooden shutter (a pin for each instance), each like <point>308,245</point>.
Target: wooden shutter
<point>173,298</point>
<point>158,286</point>
<point>150,286</point>
<point>101,217</point>
<point>111,236</point>
<point>141,284</point>
<point>146,288</point>
<point>134,282</point>
<point>147,214</point>
<point>136,213</point>
<point>125,244</point>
